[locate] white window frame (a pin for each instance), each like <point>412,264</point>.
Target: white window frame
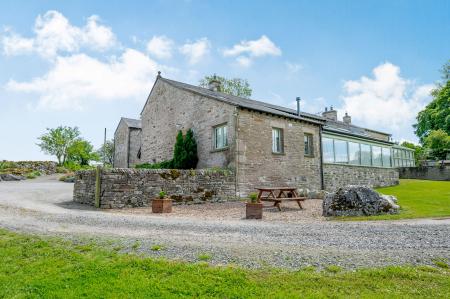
<point>277,141</point>
<point>220,140</point>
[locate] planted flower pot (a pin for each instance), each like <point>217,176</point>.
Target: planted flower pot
<point>253,210</point>
<point>162,205</point>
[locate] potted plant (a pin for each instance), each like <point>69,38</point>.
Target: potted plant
<point>162,204</point>
<point>253,208</point>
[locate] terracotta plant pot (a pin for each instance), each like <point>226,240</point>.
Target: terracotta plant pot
<point>163,205</point>
<point>253,210</point>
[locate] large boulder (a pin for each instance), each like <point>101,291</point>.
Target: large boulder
<point>358,201</point>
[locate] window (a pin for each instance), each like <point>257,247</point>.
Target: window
<point>376,156</point>
<point>354,153</point>
<point>308,144</point>
<point>366,156</point>
<point>220,137</point>
<point>386,152</point>
<point>340,151</point>
<point>277,140</point>
<point>328,150</point>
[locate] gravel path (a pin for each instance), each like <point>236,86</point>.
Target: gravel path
<point>43,206</point>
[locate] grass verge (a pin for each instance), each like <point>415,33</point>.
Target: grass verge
<point>417,199</point>
<point>51,268</point>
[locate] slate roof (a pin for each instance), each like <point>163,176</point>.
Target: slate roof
<point>132,123</point>
<point>341,127</point>
<point>246,103</point>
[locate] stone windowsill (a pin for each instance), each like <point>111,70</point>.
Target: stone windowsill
<point>217,150</point>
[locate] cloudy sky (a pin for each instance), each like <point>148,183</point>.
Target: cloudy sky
<point>87,64</point>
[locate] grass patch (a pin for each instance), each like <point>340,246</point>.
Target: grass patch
<point>204,257</point>
<point>333,269</point>
<point>156,247</point>
<point>417,199</point>
<point>34,267</point>
<point>441,263</point>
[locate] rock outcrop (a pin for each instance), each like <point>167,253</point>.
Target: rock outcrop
<point>358,201</point>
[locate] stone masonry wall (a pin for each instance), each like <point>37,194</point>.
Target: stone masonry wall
<point>435,173</point>
<point>121,145</point>
<point>336,176</point>
<point>122,187</point>
<point>258,166</point>
<point>171,109</point>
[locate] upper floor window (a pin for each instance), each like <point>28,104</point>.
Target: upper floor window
<point>220,136</point>
<point>277,140</point>
<point>308,139</point>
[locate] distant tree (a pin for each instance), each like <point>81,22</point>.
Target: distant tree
<point>57,141</point>
<point>106,152</point>
<point>438,141</point>
<point>81,152</point>
<point>190,145</point>
<point>436,115</point>
<point>236,86</point>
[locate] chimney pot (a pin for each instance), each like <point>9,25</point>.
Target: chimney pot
<point>347,118</point>
<point>214,84</point>
<point>298,105</point>
<point>330,114</point>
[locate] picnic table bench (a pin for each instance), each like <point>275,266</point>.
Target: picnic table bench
<point>279,194</point>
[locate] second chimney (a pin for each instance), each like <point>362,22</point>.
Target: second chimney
<point>347,119</point>
<point>330,114</point>
<point>214,84</point>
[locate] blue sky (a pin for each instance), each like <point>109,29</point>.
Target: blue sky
<point>87,64</point>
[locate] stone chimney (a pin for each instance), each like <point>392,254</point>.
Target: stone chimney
<point>347,119</point>
<point>214,84</point>
<point>330,114</point>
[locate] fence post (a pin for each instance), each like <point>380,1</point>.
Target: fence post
<point>98,172</point>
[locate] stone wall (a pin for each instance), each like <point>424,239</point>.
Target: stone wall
<point>45,167</point>
<point>336,176</point>
<point>434,173</point>
<point>122,187</point>
<point>121,145</point>
<point>170,109</point>
<point>258,166</point>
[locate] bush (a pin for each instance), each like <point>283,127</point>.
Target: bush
<point>161,165</point>
<point>73,166</point>
<point>7,164</point>
<point>253,197</point>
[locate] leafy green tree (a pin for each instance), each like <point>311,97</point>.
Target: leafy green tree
<point>82,152</point>
<point>57,141</point>
<point>106,152</point>
<point>436,115</point>
<point>179,152</point>
<point>235,86</point>
<point>190,145</point>
<point>438,141</point>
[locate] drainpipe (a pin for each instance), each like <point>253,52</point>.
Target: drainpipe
<point>322,184</point>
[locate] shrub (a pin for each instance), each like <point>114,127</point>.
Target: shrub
<point>162,194</point>
<point>253,197</point>
<point>161,165</point>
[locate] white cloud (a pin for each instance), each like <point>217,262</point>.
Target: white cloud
<point>247,50</point>
<point>254,48</point>
<point>75,80</point>
<point>55,34</point>
<point>196,51</point>
<point>160,46</point>
<point>385,101</point>
<point>293,67</point>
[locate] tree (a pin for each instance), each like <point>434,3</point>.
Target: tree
<point>236,86</point>
<point>179,152</point>
<point>436,115</point>
<point>57,141</point>
<point>106,152</point>
<point>190,145</point>
<point>81,152</point>
<point>438,141</point>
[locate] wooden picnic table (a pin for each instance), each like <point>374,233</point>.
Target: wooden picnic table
<point>278,195</point>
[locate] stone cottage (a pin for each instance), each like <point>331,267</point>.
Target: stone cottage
<point>265,144</point>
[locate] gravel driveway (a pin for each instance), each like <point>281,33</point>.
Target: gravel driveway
<point>43,206</point>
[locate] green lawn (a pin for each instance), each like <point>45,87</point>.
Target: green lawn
<point>417,199</point>
<point>33,267</point>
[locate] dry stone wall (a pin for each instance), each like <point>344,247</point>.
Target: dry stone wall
<point>435,173</point>
<point>121,187</point>
<point>336,176</point>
